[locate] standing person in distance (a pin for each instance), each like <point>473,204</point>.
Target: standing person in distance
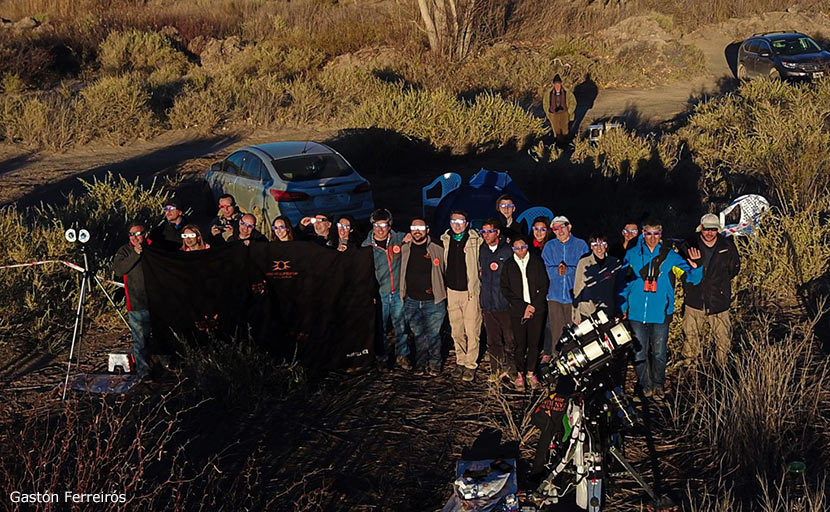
<point>708,303</point>
<point>493,255</point>
<point>462,277</point>
<point>424,295</point>
<point>524,282</point>
<point>559,107</point>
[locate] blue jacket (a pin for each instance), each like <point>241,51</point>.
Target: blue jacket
<point>652,307</point>
<point>554,253</point>
<point>491,264</point>
<point>387,262</point>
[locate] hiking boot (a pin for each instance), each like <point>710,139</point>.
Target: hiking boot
<point>520,383</point>
<point>534,381</point>
<point>468,375</point>
<point>648,393</point>
<point>434,369</point>
<point>420,371</point>
<point>404,363</point>
<point>458,371</point>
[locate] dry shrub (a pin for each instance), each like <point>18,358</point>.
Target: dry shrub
<point>618,153</point>
<point>140,51</point>
<point>47,122</point>
<point>445,121</point>
<point>115,109</point>
<point>770,130</point>
<point>35,303</point>
<point>272,58</point>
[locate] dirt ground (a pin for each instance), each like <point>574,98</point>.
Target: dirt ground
<point>370,442</point>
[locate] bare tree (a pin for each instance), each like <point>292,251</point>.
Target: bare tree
<point>454,26</point>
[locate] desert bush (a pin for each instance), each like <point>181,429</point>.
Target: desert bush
<point>770,130</point>
<point>271,58</point>
<point>35,302</point>
<point>140,51</point>
<point>47,122</point>
<point>115,109</point>
<point>445,121</point>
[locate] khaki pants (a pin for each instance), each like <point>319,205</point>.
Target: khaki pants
<point>720,327</point>
<point>559,124</point>
<point>465,321</point>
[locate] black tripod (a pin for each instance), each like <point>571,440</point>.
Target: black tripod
<point>88,276</point>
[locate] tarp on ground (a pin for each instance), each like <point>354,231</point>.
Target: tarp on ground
<point>286,296</point>
<point>478,198</point>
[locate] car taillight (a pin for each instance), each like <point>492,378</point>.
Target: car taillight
<point>363,187</point>
<point>286,196</point>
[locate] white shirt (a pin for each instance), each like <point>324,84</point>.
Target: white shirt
<point>523,269</point>
<point>493,247</point>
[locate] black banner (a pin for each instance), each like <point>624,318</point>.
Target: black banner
<point>288,296</point>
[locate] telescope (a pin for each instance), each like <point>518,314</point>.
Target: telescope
<point>590,344</point>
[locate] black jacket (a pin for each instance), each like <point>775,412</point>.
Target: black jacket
<point>537,283</point>
<point>168,236</point>
<point>256,236</point>
<point>221,222</point>
<point>714,293</point>
<point>127,266</point>
<point>515,229</point>
<point>492,264</point>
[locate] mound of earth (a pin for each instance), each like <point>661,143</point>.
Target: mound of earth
<point>814,24</point>
<point>635,30</point>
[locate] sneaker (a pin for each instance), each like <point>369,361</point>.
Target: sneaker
<point>434,369</point>
<point>659,394</point>
<point>520,383</point>
<point>458,371</point>
<point>419,371</point>
<point>648,393</point>
<point>469,374</point>
<point>534,381</point>
<point>403,362</point>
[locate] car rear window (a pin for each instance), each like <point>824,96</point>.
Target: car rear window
<point>311,167</point>
<point>795,46</point>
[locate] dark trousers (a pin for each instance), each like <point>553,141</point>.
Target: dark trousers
<point>140,328</point>
<point>500,341</point>
<point>559,315</point>
<point>424,319</point>
<point>528,335</point>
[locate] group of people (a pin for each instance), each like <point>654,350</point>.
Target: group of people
<point>523,284</point>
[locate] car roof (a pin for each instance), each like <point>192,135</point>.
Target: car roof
<point>286,149</point>
<point>780,35</point>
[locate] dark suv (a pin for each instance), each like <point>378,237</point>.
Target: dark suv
<point>787,55</point>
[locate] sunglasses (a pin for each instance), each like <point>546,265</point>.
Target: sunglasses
<point>279,228</point>
<point>709,229</point>
<point>599,244</point>
<point>170,208</point>
<point>458,222</point>
<point>137,233</point>
<point>539,228</point>
<point>188,235</point>
<point>557,227</point>
<point>225,205</point>
<point>315,220</point>
<point>249,226</point>
<point>517,248</point>
<point>487,231</point>
<point>630,231</point>
<point>507,205</point>
<point>344,226</point>
<point>653,233</point>
<point>380,224</point>
<point>417,228</point>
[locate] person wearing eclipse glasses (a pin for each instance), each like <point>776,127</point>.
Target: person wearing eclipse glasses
<point>647,300</point>
<point>168,234</point>
<point>192,239</point>
<point>596,282</point>
<point>247,231</point>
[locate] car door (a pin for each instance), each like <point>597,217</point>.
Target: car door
<point>750,60</point>
<point>763,59</point>
<point>224,179</point>
<point>252,185</point>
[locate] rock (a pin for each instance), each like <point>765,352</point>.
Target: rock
<point>196,45</point>
<point>217,53</point>
<point>26,23</point>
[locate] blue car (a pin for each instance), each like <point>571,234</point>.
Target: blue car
<point>782,55</point>
<point>292,178</point>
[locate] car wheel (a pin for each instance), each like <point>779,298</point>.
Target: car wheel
<point>742,72</point>
<point>774,74</point>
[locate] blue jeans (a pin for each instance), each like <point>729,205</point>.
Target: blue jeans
<point>140,328</point>
<point>392,309</point>
<point>650,353</point>
<point>425,319</point>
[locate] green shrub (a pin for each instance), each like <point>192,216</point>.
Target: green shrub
<point>146,52</point>
<point>115,109</point>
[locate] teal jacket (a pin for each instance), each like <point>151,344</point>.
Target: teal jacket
<point>387,261</point>
<point>652,307</point>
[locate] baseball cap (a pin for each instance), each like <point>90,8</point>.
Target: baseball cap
<point>560,219</point>
<point>709,221</point>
